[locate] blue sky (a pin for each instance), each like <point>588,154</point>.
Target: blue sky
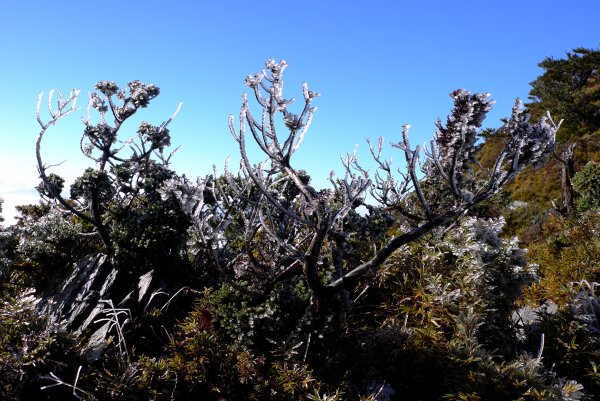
<point>377,64</point>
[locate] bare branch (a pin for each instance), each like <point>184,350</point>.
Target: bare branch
<point>412,160</point>
<point>166,123</point>
<point>290,210</point>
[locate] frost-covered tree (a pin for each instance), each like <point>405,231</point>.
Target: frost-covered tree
<point>118,197</point>
<point>293,228</point>
<point>289,228</point>
<point>309,226</point>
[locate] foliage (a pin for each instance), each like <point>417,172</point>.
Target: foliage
<point>300,226</point>
<point>568,252</point>
<point>263,287</point>
<point>29,348</point>
<point>118,198</point>
<point>570,89</point>
<point>443,326</point>
<point>587,183</point>
<point>572,337</point>
<point>537,190</point>
<point>48,240</point>
<point>209,357</point>
<point>8,245</point>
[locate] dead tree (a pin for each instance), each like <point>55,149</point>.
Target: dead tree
<point>567,161</point>
<point>308,225</point>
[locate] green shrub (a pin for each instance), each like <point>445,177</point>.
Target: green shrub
<point>30,349</point>
<point>568,252</point>
<point>587,182</point>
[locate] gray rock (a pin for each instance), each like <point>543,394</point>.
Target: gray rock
<point>68,303</point>
<point>514,205</point>
<point>76,303</point>
<point>97,343</point>
<point>73,304</point>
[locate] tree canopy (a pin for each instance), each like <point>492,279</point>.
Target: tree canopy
<point>570,89</point>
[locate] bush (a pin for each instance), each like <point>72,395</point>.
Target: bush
<point>299,294</point>
<point>568,252</point>
<point>587,183</point>
<point>30,349</point>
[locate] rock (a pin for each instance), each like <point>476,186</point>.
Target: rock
<point>77,302</point>
<point>97,343</point>
<point>514,205</point>
<point>69,303</point>
<point>74,304</point>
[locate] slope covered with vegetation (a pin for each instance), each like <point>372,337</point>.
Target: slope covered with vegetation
<point>569,89</point>
<point>138,283</point>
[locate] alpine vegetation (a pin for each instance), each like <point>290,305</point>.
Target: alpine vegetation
<point>141,283</point>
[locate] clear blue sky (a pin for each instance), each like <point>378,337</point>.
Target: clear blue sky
<point>377,64</point>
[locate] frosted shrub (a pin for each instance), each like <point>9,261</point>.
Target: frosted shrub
<point>51,234</point>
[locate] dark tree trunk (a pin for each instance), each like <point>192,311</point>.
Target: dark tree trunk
<point>568,171</point>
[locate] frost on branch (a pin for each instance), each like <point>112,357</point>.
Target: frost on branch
<point>310,227</point>
<point>125,171</point>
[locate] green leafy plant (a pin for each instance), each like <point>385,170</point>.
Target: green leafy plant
<point>587,182</point>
